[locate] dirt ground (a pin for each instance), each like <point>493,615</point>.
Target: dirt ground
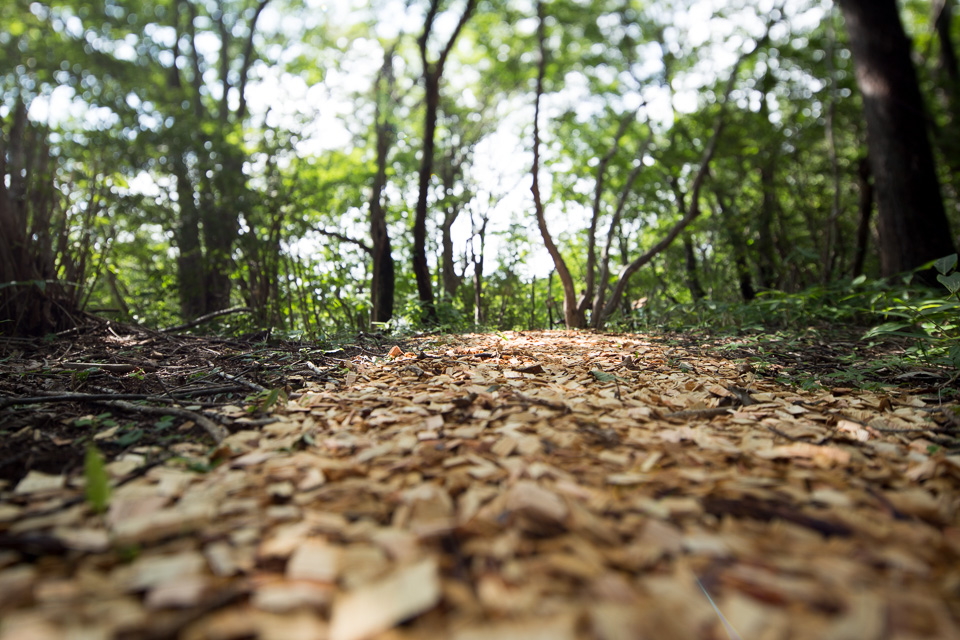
<point>545,485</point>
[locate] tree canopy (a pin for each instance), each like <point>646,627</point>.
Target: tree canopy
<point>341,165</point>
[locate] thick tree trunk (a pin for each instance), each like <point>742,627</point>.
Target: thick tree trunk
<point>911,220</point>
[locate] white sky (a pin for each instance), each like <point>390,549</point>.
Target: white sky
<point>502,161</point>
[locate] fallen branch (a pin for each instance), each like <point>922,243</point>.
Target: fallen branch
<point>217,432</point>
<point>205,318</point>
<point>93,397</point>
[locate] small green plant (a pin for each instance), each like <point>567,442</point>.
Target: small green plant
<point>97,488</point>
<point>264,400</point>
<point>933,322</point>
<point>101,420</point>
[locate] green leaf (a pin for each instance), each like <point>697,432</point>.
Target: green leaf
<point>97,481</point>
<point>603,376</point>
<point>270,399</point>
<point>885,328</point>
<point>946,264</point>
<point>951,282</point>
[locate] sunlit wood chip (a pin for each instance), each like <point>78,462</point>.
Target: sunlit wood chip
<point>90,540</point>
<point>162,524</point>
<point>37,482</point>
<point>379,606</point>
<point>314,560</point>
<point>177,594</point>
<point>281,597</point>
<point>626,479</point>
<point>530,499</point>
<point>149,571</point>
<point>220,556</point>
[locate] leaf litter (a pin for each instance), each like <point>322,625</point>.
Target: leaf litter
<point>540,485</point>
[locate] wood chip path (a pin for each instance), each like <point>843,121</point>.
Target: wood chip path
<point>516,487</point>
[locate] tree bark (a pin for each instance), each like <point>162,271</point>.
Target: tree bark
<point>599,297</point>
<point>693,209</point>
<point>911,220</point>
<point>587,296</point>
<point>432,73</point>
<point>690,264</point>
<point>477,258</point>
<point>734,236</point>
<point>570,315</point>
<point>866,212</point>
<point>382,281</point>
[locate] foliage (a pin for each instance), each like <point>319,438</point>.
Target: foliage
<point>167,171</point>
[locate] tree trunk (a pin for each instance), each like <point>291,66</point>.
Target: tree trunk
<point>478,315</point>
<point>448,272</point>
<point>382,281</point>
<point>693,210</point>
<point>432,73</point>
<point>911,220</point>
<point>587,296</point>
<point>690,264</point>
<point>734,235</point>
<point>866,211</point>
<point>421,269</point>
<point>599,298</point>
<point>570,315</point>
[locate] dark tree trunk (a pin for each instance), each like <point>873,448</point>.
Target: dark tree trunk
<point>421,269</point>
<point>32,298</point>
<point>911,220</point>
<point>382,282</point>
<point>690,264</point>
<point>734,236</point>
<point>866,211</point>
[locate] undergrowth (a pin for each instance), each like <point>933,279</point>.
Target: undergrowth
<point>925,321</point>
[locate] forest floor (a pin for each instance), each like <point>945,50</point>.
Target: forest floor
<point>541,485</point>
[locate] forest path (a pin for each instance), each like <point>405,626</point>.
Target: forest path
<point>521,486</point>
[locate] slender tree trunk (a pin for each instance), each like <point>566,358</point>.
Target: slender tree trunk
<point>432,73</point>
<point>382,280</point>
<point>448,272</point>
<point>478,315</point>
<point>734,236</point>
<point>421,269</point>
<point>570,315</point>
<point>866,211</point>
<point>690,263</point>
<point>693,210</point>
<point>911,220</point>
<point>828,256</point>
<point>600,296</point>
<point>766,245</point>
<point>586,297</point>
